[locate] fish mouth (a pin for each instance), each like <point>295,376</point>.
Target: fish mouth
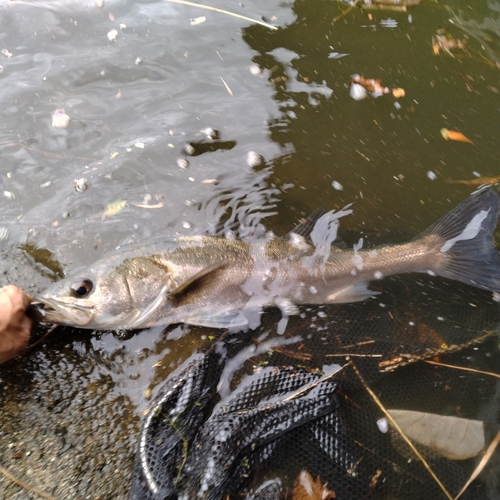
<point>51,311</point>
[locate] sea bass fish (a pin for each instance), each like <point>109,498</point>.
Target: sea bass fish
<point>222,282</point>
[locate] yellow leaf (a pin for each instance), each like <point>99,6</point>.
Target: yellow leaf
<point>115,207</point>
<point>453,135</point>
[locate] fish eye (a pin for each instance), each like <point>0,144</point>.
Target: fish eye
<point>82,288</point>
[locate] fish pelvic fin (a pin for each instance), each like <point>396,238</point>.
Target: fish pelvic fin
<point>466,233</point>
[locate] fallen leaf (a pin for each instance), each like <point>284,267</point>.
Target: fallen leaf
<point>478,181</point>
<point>306,488</point>
<point>455,438</point>
<point>115,207</point>
<point>453,135</point>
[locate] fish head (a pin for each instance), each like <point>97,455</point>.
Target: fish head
<point>107,295</point>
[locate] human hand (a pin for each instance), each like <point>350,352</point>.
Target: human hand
<point>14,324</point>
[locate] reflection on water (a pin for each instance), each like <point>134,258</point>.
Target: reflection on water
<point>137,104</point>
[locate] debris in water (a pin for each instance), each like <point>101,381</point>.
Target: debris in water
<point>60,119</point>
<point>9,194</point>
<point>336,185</point>
<point>183,163</point>
<point>81,185</point>
<point>210,133</point>
<point>139,145</point>
<point>255,70</point>
<point>254,159</point>
<point>112,35</point>
<point>432,176</point>
<point>389,23</point>
<point>197,20</point>
<point>138,61</point>
<point>453,135</point>
<point>6,53</point>
<point>229,91</point>
<point>382,425</point>
<point>115,207</point>
<point>442,41</point>
<point>478,181</point>
<point>360,86</point>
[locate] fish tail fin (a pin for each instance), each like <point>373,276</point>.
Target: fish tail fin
<point>466,241</point>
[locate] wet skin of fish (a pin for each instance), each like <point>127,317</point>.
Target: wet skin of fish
<point>222,282</point>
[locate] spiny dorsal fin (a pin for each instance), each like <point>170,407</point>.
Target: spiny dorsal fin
<point>305,227</point>
<point>183,287</point>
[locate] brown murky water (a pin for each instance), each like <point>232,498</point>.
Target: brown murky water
<point>140,102</point>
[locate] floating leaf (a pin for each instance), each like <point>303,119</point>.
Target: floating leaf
<point>455,438</point>
<point>453,135</point>
<point>115,207</point>
<point>478,181</point>
<point>306,488</point>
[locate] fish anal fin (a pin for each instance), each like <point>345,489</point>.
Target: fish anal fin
<point>194,280</point>
<point>352,293</point>
<point>228,319</point>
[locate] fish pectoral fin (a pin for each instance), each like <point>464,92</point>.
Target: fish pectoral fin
<point>352,293</point>
<point>146,314</point>
<point>196,278</point>
<point>228,319</point>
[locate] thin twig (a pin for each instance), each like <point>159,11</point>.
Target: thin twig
<point>222,11</point>
<point>491,374</point>
<point>345,12</point>
<point>346,354</point>
<point>308,387</point>
<point>42,338</point>
<point>402,434</point>
<point>25,486</point>
<point>46,153</point>
<point>482,464</point>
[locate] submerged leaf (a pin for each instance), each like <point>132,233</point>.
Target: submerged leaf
<point>307,488</point>
<point>478,181</point>
<point>455,438</point>
<point>453,135</point>
<point>115,207</point>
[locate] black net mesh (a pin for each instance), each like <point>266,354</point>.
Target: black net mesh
<point>257,415</point>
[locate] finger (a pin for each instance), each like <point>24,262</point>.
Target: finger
<point>17,297</point>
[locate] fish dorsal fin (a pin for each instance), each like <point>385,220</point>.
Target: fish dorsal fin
<point>177,292</point>
<point>304,228</point>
